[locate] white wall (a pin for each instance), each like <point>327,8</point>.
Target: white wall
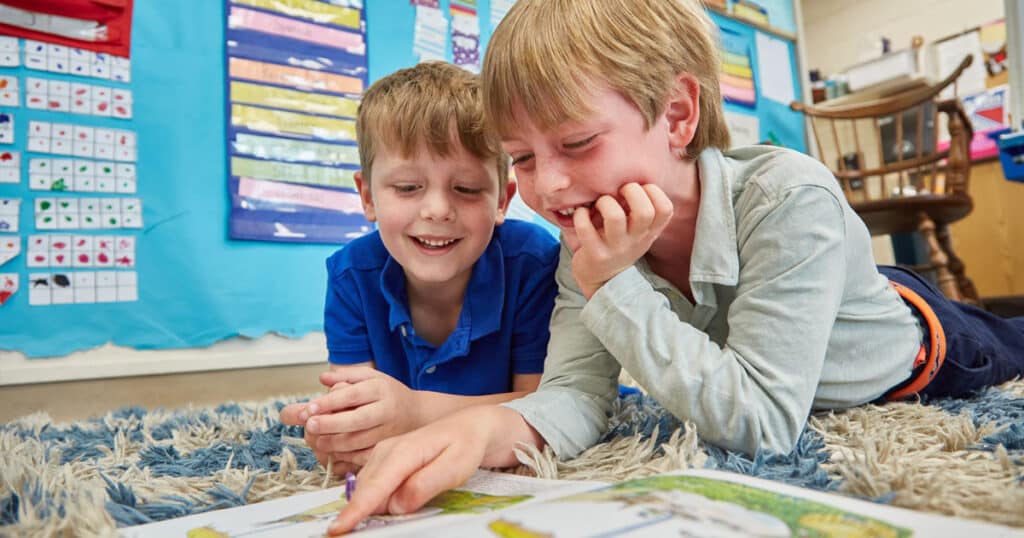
<point>111,361</point>
<point>838,31</point>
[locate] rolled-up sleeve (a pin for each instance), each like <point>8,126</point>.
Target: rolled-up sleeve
<point>580,382</point>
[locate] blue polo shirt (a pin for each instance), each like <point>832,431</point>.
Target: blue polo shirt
<point>502,328</point>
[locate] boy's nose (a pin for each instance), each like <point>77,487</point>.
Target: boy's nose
<point>550,179</point>
<point>437,206</point>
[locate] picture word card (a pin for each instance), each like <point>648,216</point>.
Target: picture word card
<point>10,209</point>
<point>81,141</point>
<point>80,175</point>
<point>54,250</point>
<point>87,213</point>
<point>9,95</point>
<point>10,247</point>
<point>6,128</point>
<point>77,98</point>
<point>8,286</point>
<point>84,63</point>
<point>10,167</point>
<point>9,52</point>
<point>82,287</point>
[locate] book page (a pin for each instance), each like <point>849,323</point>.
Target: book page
<point>309,514</point>
<point>713,503</point>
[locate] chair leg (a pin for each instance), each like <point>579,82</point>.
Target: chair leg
<point>956,266</point>
<point>937,257</point>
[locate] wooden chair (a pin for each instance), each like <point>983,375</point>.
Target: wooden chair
<point>885,154</point>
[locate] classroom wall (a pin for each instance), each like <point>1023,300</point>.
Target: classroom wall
<point>836,32</point>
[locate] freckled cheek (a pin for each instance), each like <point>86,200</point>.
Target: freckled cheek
<point>529,195</point>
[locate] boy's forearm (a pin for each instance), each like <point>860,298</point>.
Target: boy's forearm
<point>432,406</point>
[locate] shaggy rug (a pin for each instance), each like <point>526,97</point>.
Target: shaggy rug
<point>133,466</point>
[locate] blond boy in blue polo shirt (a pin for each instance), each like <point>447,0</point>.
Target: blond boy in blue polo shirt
<point>440,308</point>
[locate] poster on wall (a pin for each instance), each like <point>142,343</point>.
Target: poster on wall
<point>295,72</point>
<point>97,26</point>
<point>737,76</point>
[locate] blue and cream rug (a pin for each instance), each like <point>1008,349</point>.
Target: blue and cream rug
<point>957,457</point>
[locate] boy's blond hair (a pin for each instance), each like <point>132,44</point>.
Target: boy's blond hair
<point>545,51</point>
<point>428,106</point>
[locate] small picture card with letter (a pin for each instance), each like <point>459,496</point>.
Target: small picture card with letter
<point>10,167</point>
<point>9,94</point>
<point>6,128</point>
<point>8,286</point>
<point>9,52</point>
<point>10,209</point>
<point>10,247</point>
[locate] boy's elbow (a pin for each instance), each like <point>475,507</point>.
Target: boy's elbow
<point>525,382</point>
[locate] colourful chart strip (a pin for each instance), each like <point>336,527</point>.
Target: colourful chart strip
<point>286,149</point>
<point>295,173</point>
<point>273,97</point>
<point>738,82</point>
<point>735,59</point>
<point>292,123</point>
<point>737,70</point>
<point>318,12</point>
<point>294,77</point>
<point>258,21</point>
<point>284,193</point>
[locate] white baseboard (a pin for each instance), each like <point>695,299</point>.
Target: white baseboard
<point>113,361</point>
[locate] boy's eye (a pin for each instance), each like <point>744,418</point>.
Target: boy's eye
<point>468,190</point>
<point>516,161</point>
<point>579,143</point>
<point>406,187</point>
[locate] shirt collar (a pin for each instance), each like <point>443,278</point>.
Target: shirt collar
<point>482,305</point>
<point>715,258</point>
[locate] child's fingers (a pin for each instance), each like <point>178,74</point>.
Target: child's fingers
<point>585,230</point>
<point>350,442</point>
<point>381,476</point>
<point>355,459</point>
<point>361,418</point>
<point>348,374</point>
<point>641,209</point>
<point>294,414</point>
<point>342,397</point>
<point>448,470</point>
<point>663,208</point>
<point>613,217</point>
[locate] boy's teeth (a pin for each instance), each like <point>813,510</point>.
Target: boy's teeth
<point>433,243</point>
<point>571,210</point>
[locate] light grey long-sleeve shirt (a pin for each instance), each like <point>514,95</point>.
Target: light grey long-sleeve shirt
<point>790,315</point>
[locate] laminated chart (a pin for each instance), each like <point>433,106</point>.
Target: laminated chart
<point>737,75</point>
<point>295,72</point>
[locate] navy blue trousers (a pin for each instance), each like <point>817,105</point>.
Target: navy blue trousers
<point>982,349</point>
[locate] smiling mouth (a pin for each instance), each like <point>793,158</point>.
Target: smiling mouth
<point>572,210</point>
<point>435,244</point>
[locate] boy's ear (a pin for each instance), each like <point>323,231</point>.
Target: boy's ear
<point>504,199</point>
<point>683,111</point>
<point>364,196</point>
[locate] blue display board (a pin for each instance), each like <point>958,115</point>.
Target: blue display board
<point>195,285</point>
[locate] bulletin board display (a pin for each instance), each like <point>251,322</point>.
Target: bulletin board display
<point>189,284</point>
<point>295,73</point>
<point>983,88</point>
<point>759,79</point>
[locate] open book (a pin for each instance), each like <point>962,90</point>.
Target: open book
<point>690,503</point>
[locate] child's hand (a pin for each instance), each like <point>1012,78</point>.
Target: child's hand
<point>405,472</point>
<point>295,415</point>
<point>623,239</point>
<point>363,407</point>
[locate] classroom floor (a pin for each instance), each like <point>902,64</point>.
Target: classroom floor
<point>75,400</point>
